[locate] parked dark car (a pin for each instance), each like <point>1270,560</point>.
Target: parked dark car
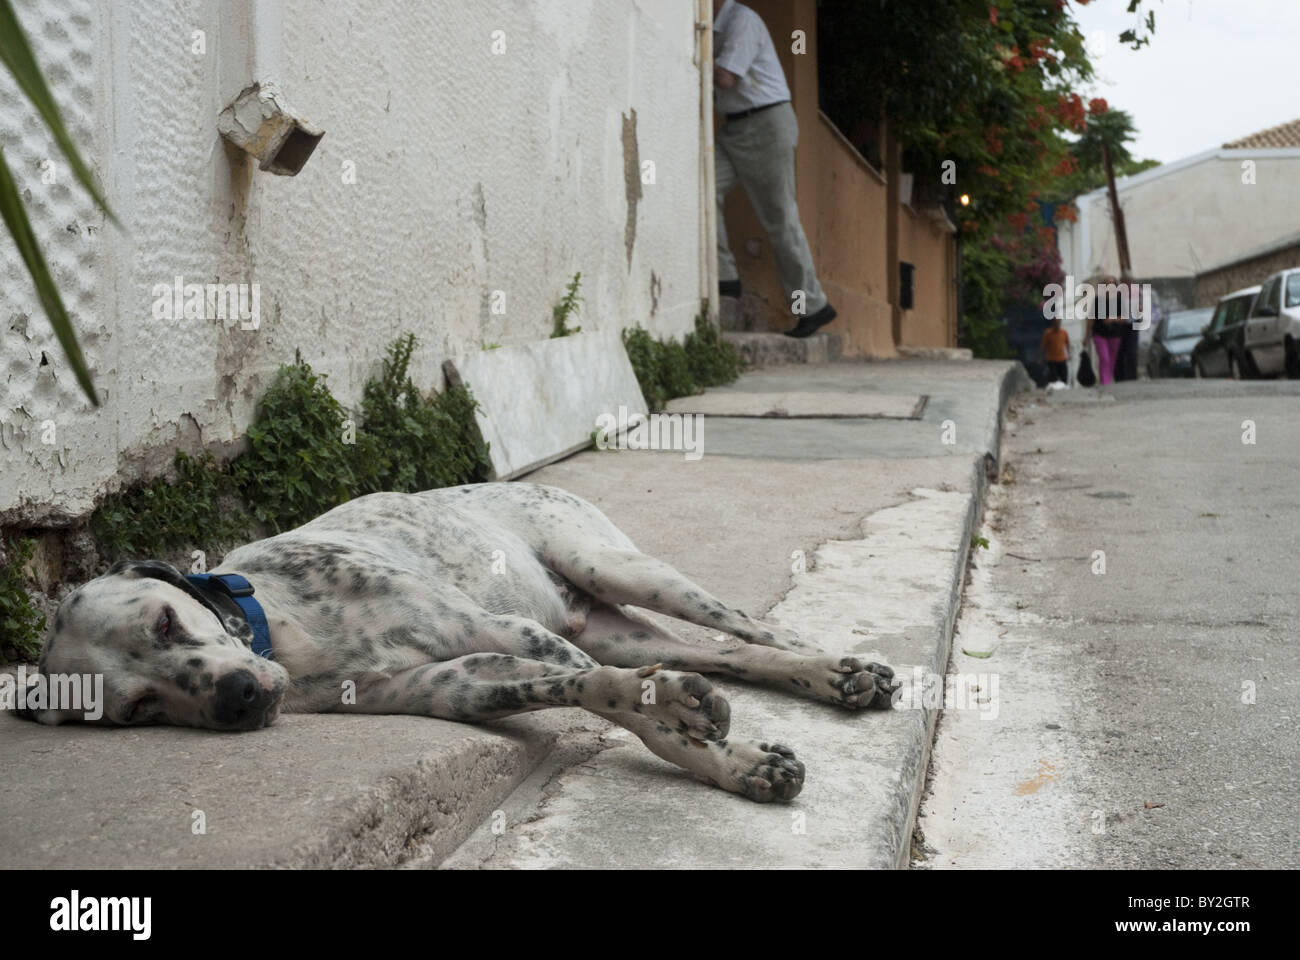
<point>1222,349</point>
<point>1171,347</point>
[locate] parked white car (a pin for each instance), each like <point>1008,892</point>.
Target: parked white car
<point>1273,328</point>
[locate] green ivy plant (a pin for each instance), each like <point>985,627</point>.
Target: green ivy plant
<point>298,463</point>
<point>668,369</point>
<point>713,361</point>
<point>566,308</point>
<point>409,442</point>
<point>201,506</point>
<point>21,624</point>
<point>305,455</point>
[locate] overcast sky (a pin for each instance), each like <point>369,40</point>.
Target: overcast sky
<point>1215,70</point>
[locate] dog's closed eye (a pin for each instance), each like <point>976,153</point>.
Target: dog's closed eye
<point>166,626</point>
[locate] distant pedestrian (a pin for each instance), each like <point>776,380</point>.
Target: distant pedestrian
<point>1126,364</point>
<point>1105,333</point>
<point>755,147</point>
<point>1054,351</point>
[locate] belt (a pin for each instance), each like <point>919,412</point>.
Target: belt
<point>753,110</point>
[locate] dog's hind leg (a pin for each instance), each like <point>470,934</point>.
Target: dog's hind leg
<point>627,576</point>
<point>621,638</point>
<point>581,544</point>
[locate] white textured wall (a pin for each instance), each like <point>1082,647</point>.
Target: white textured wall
<point>475,172</point>
<point>1191,218</point>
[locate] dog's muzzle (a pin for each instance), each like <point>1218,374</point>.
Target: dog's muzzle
<point>242,703</point>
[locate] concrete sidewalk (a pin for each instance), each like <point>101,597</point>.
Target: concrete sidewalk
<point>853,529</point>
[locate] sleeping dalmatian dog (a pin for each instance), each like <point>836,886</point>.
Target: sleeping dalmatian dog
<point>467,603</point>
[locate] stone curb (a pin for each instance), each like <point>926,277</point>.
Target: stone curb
<point>915,764</point>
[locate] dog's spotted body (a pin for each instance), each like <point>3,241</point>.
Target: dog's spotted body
<point>468,603</point>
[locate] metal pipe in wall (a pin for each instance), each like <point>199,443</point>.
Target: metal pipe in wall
<point>708,192</point>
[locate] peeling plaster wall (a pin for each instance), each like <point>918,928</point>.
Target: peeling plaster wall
<point>474,171</point>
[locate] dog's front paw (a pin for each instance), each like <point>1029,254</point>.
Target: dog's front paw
<point>847,682</point>
<point>685,702</point>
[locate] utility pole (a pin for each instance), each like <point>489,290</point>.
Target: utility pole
<point>1126,364</point>
<point>1121,233</point>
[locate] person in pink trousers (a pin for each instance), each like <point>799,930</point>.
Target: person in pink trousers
<point>1106,334</point>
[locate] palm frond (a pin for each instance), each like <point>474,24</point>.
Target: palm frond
<point>20,228</point>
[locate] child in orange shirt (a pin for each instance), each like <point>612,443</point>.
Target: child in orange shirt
<point>1054,350</point>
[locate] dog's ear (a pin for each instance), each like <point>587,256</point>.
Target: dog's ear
<point>156,569</point>
<point>161,570</point>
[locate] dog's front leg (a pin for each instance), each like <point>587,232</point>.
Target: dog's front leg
<point>764,772</point>
<point>488,686</point>
<point>677,715</point>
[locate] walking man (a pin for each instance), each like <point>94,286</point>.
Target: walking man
<point>755,147</point>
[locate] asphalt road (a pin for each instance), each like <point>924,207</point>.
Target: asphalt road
<point>1147,715</point>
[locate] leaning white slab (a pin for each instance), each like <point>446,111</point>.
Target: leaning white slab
<point>538,402</point>
<point>813,403</point>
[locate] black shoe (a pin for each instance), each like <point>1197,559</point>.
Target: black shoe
<point>729,288</point>
<point>809,325</point>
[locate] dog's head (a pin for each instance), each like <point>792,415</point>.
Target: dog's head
<point>166,653</point>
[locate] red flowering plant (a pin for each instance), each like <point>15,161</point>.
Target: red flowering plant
<point>1030,250</point>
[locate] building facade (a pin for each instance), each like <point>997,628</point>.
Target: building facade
<point>1192,216</point>
<point>476,156</point>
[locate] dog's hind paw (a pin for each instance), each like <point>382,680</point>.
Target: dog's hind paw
<point>765,772</point>
<point>847,682</point>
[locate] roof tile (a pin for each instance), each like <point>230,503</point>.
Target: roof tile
<point>1283,135</point>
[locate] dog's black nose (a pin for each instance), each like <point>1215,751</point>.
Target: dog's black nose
<point>241,702</point>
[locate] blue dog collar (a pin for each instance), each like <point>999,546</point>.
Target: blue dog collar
<point>241,591</point>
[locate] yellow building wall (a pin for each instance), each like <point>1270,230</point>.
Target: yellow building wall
<point>927,244</point>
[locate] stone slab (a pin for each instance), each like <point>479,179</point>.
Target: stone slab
<point>822,404</point>
<point>538,402</point>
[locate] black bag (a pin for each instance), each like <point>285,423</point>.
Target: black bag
<point>1085,377</point>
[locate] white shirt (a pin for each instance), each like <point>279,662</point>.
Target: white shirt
<point>742,45</point>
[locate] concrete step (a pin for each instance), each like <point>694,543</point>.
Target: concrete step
<point>957,354</point>
<point>774,349</point>
<point>746,313</point>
